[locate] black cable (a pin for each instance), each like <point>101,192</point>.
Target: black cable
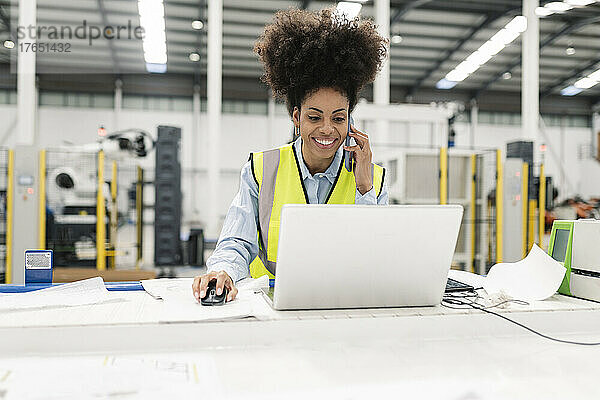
<point>456,300</point>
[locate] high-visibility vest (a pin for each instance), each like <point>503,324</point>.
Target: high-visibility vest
<point>277,174</point>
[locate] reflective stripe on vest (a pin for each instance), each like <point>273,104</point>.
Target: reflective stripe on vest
<point>277,174</point>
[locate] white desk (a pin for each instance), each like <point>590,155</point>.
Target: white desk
<point>435,352</point>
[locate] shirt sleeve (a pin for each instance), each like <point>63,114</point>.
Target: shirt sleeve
<point>238,242</point>
<point>370,197</point>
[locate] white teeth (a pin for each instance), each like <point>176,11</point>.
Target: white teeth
<point>324,142</point>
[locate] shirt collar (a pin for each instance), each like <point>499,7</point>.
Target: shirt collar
<point>332,170</point>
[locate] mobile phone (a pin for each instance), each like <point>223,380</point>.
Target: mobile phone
<point>349,142</point>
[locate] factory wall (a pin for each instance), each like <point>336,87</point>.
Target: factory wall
<point>243,133</point>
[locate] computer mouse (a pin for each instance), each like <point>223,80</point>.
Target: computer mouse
<point>212,298</point>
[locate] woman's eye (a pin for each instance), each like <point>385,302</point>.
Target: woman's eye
<point>339,119</point>
<point>313,118</point>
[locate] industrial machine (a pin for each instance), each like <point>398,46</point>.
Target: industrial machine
<point>514,209</point>
<point>71,193</point>
<point>168,197</point>
<point>573,243</point>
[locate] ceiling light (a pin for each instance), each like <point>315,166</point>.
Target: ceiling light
<point>570,50</point>
<point>156,68</point>
<point>9,44</point>
<point>456,76</point>
<point>580,2</point>
<point>585,83</point>
<point>445,84</point>
<point>595,76</point>
<point>197,25</point>
<point>507,75</point>
<point>543,12</point>
<point>491,47</point>
<point>396,39</point>
<point>349,9</point>
<point>570,91</point>
<point>467,67</point>
<point>558,6</point>
<point>479,58</point>
<point>151,8</point>
<point>152,20</point>
<point>194,57</point>
<point>517,24</point>
<point>506,35</point>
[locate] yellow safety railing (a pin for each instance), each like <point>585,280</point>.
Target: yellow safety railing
<point>524,194</point>
<point>100,217</point>
<point>499,206</point>
<point>9,215</point>
<point>473,209</point>
<point>113,215</point>
<point>531,224</point>
<point>42,201</point>
<point>443,175</point>
<point>542,208</point>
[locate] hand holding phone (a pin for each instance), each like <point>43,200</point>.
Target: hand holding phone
<point>349,142</point>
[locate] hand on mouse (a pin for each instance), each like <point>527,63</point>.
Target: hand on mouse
<point>223,280</point>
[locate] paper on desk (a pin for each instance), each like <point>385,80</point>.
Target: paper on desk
<point>180,305</point>
<point>88,291</point>
<point>536,277</point>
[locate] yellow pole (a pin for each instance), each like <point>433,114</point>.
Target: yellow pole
<point>542,207</point>
<point>100,217</point>
<point>113,215</point>
<point>499,206</point>
<point>9,215</point>
<point>473,207</point>
<point>443,175</point>
<point>531,222</point>
<point>139,190</point>
<point>490,229</point>
<point>525,203</point>
<point>42,201</point>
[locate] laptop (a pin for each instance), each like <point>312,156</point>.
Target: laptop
<point>351,256</point>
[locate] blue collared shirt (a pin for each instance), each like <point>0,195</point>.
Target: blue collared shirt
<point>238,242</point>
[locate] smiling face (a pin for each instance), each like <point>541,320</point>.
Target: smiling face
<point>323,122</point>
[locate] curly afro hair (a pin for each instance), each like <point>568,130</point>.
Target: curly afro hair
<point>303,51</point>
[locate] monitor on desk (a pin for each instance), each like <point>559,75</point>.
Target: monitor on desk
<point>559,248</point>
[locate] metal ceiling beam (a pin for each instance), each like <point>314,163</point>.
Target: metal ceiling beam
<point>111,46</point>
<point>6,22</point>
<point>470,7</point>
<point>565,30</point>
<point>563,81</point>
<point>400,13</point>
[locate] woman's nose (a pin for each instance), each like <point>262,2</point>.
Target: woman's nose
<point>327,128</point>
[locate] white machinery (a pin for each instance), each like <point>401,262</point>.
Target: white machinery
<point>573,244</point>
<point>69,185</point>
<point>71,192</point>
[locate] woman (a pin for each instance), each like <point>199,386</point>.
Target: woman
<point>318,62</point>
